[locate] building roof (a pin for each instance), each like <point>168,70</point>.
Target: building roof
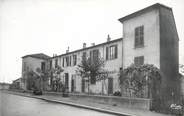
<point>40,56</point>
<point>119,39</point>
<point>140,12</point>
<point>2,83</point>
<point>17,79</point>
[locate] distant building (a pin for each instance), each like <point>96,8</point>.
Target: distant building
<point>31,63</point>
<point>17,84</point>
<point>4,86</point>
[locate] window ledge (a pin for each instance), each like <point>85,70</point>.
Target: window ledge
<point>137,47</point>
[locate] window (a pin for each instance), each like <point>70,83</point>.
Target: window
<point>70,61</point>
<point>24,66</point>
<point>50,64</point>
<point>74,60</point>
<point>94,55</point>
<point>83,55</point>
<point>67,61</point>
<point>111,52</point>
<point>63,61</point>
<point>139,36</point>
<point>139,60</point>
<point>43,66</point>
<point>56,63</point>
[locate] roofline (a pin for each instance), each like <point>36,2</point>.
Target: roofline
<point>139,12</point>
<point>4,83</point>
<point>35,57</point>
<point>119,39</point>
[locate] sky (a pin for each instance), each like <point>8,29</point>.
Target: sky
<point>50,26</point>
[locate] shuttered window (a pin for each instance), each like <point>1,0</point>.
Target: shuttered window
<point>63,62</point>
<point>67,61</point>
<point>139,36</point>
<point>112,52</point>
<point>51,64</point>
<point>107,53</point>
<point>70,60</point>
<point>56,63</point>
<point>139,60</point>
<point>94,55</point>
<point>74,60</point>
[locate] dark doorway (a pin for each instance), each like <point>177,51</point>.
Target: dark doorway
<point>110,86</point>
<point>83,85</point>
<point>72,85</point>
<point>66,80</point>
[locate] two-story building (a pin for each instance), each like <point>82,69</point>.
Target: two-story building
<point>150,37</point>
<point>31,63</point>
<point>110,52</point>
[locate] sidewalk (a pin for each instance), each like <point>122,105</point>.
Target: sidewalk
<point>101,107</point>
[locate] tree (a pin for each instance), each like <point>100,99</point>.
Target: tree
<point>56,80</point>
<point>30,80</point>
<point>53,74</point>
<point>92,69</point>
<point>140,81</point>
<point>181,68</point>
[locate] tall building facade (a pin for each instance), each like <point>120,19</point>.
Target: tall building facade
<point>150,37</point>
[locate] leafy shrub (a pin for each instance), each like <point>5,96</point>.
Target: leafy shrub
<point>117,93</point>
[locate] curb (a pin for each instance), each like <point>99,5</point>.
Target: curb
<point>76,105</point>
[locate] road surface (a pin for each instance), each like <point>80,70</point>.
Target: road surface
<point>14,105</point>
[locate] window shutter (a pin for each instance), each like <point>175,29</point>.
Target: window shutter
<point>91,56</point>
<point>116,51</point>
<point>107,53</point>
<point>136,36</point>
<point>70,60</point>
<point>63,62</point>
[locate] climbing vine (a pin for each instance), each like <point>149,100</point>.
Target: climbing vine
<point>140,81</point>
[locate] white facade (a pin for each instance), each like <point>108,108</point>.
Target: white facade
<point>30,64</point>
<point>151,48</point>
<point>101,87</point>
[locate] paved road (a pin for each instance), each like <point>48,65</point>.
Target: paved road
<point>14,105</point>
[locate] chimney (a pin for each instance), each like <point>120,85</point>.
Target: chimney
<point>54,55</point>
<point>84,45</point>
<point>68,49</point>
<point>92,44</point>
<point>108,38</point>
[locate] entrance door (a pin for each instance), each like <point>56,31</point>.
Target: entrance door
<point>110,85</point>
<point>83,85</point>
<point>66,80</point>
<point>72,85</point>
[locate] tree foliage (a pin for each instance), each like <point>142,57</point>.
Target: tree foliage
<point>181,67</point>
<point>135,80</point>
<point>30,80</point>
<point>56,80</point>
<point>91,68</point>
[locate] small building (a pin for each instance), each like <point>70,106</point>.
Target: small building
<point>4,86</point>
<point>32,62</point>
<point>17,84</point>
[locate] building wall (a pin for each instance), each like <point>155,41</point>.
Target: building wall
<point>101,87</point>
<point>151,49</point>
<point>4,86</point>
<point>169,61</point>
<point>28,64</point>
